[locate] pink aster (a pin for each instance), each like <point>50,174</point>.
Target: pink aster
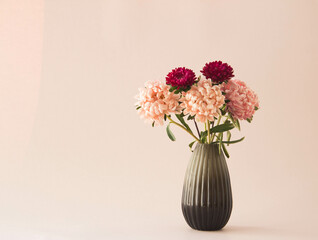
<point>203,101</point>
<point>181,78</point>
<point>217,71</point>
<point>155,101</point>
<point>242,99</point>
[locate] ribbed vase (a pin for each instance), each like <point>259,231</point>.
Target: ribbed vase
<point>207,195</point>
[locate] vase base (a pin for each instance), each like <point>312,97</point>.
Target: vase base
<point>206,218</point>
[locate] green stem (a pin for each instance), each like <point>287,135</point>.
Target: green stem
<point>218,122</point>
<point>179,125</point>
<point>208,126</point>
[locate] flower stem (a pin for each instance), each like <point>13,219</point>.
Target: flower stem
<point>179,125</point>
<point>208,126</point>
<point>196,126</point>
<point>218,122</point>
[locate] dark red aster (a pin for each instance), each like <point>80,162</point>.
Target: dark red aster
<point>217,71</point>
<point>181,77</point>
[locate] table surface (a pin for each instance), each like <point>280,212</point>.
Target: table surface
<point>155,229</point>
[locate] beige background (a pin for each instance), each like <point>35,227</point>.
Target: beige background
<point>76,161</point>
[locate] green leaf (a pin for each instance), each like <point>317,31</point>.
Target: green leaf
<point>225,151</point>
<point>256,108</point>
<point>223,111</point>
<point>249,120</point>
<point>170,134</point>
<point>238,124</point>
<point>234,141</point>
<point>222,127</point>
<point>173,88</point>
<point>187,89</point>
<point>180,118</point>
<point>203,136</point>
<point>190,145</point>
<point>228,136</point>
<point>227,101</point>
<point>138,107</point>
<point>153,124</point>
<point>165,117</point>
<point>232,119</point>
<point>190,117</point>
<point>235,122</point>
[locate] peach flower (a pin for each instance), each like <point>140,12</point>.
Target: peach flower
<point>155,101</point>
<point>242,99</point>
<point>203,100</point>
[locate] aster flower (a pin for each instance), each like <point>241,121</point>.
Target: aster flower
<point>155,100</point>
<point>217,71</point>
<point>181,78</point>
<point>203,101</point>
<point>242,100</point>
<point>212,97</point>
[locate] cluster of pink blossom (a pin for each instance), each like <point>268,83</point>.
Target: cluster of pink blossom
<point>242,100</point>
<point>200,98</point>
<point>203,101</point>
<point>155,101</point>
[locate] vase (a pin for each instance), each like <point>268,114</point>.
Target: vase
<point>207,196</point>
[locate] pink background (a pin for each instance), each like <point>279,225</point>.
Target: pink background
<point>76,161</point>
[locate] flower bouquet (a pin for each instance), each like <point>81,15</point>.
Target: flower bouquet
<point>215,103</point>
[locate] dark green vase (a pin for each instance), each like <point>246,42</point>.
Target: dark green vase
<point>207,195</point>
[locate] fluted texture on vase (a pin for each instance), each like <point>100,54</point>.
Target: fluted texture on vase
<point>207,195</point>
